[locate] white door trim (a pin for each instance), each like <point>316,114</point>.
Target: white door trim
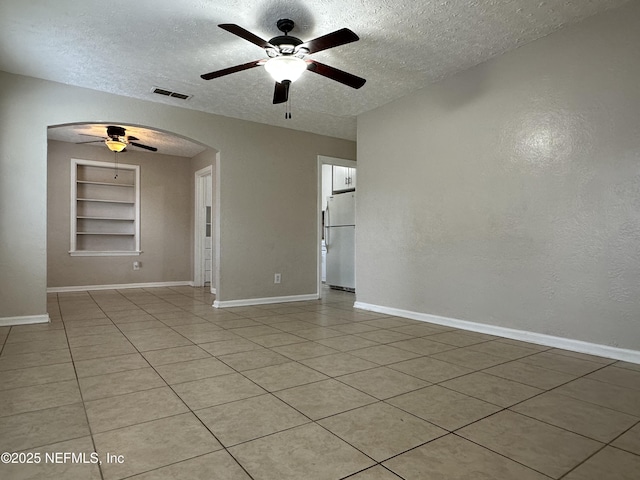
<point>215,286</point>
<point>199,223</point>
<point>324,160</point>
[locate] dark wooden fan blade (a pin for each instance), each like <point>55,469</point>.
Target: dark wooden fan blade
<point>227,71</point>
<point>330,40</point>
<point>146,147</point>
<point>131,138</point>
<point>90,141</point>
<point>334,74</point>
<point>246,34</point>
<point>281,92</point>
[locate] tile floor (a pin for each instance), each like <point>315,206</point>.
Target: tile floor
<point>307,390</point>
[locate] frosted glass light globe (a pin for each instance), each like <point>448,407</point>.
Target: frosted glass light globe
<point>285,68</point>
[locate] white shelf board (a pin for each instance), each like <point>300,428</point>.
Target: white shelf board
<point>106,218</point>
<point>88,182</point>
<point>106,233</point>
<point>104,201</point>
<point>105,253</point>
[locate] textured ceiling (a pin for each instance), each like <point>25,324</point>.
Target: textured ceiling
<point>127,48</point>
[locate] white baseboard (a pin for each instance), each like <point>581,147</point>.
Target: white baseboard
<point>607,351</point>
<point>264,301</point>
<point>84,288</point>
<point>24,320</point>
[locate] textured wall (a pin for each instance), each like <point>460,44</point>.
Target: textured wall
<point>509,194</point>
<point>267,189</point>
<point>165,227</point>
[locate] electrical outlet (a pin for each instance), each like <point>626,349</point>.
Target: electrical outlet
<point>277,278</point>
<point>136,265</point>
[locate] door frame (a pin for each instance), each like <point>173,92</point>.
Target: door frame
<point>199,224</point>
<point>324,160</point>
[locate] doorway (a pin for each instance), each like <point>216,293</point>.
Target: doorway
<point>203,230</point>
<point>328,184</point>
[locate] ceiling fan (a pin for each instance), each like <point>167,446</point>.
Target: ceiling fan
<point>288,57</point>
<point>116,140</point>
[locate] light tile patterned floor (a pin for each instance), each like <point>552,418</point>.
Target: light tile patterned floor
<point>302,391</point>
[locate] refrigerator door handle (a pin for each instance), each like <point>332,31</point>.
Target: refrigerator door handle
<point>326,229</point>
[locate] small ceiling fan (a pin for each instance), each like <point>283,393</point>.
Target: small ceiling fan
<point>117,140</point>
<point>288,57</point>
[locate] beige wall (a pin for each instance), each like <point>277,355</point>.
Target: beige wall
<point>267,189</point>
<point>165,221</point>
<point>509,194</point>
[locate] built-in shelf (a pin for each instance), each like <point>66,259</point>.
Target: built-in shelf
<point>110,184</point>
<point>104,253</point>
<point>105,209</point>
<point>107,218</point>
<point>104,201</point>
<point>106,233</point>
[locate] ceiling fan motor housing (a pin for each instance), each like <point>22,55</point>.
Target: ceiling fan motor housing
<point>285,44</point>
<point>115,131</point>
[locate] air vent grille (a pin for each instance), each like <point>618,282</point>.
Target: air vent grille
<point>169,93</point>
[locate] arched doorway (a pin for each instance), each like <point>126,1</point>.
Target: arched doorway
<point>167,218</point>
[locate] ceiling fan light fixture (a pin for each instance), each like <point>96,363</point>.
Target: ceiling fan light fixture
<point>115,145</point>
<point>285,67</point>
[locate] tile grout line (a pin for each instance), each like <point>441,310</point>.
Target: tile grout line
<point>505,408</point>
<point>200,420</point>
<point>603,444</point>
<point>84,403</point>
<point>493,451</point>
<point>272,393</point>
<point>84,408</point>
<point>311,421</point>
<point>189,410</point>
<point>534,396</point>
<point>610,444</point>
<point>316,422</point>
<point>583,461</point>
<point>148,421</point>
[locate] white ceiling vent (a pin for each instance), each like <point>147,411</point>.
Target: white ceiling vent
<point>169,93</point>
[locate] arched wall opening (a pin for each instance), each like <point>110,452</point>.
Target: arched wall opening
<point>166,204</point>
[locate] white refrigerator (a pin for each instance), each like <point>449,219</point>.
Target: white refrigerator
<point>340,240</point>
